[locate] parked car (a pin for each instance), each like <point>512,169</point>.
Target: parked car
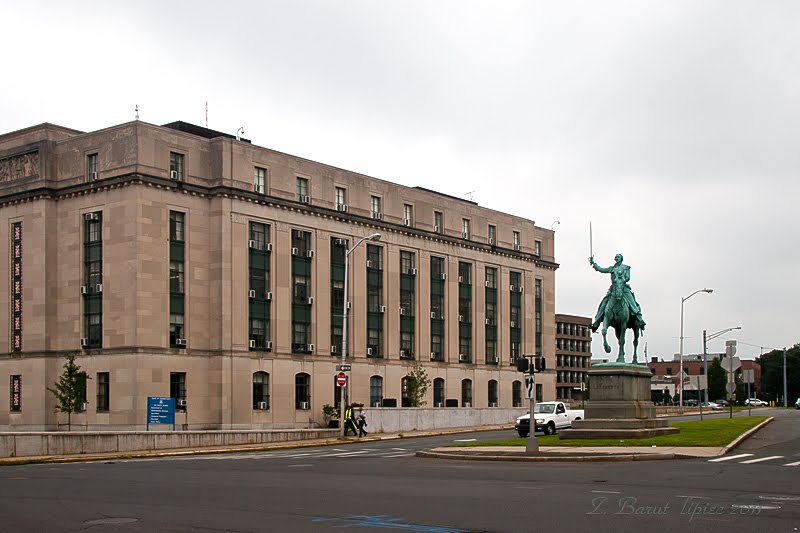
<point>797,404</point>
<point>691,403</point>
<point>712,405</point>
<point>549,417</point>
<point>724,403</point>
<point>755,402</point>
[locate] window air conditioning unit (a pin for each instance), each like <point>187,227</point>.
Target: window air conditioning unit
<point>437,229</point>
<point>251,294</point>
<point>516,247</point>
<point>340,242</point>
<point>84,406</point>
<point>444,275</point>
<point>488,321</point>
<point>402,311</point>
<point>377,216</point>
<point>180,402</point>
<point>383,309</point>
<point>493,404</point>
<point>463,358</point>
<point>84,289</point>
<point>491,241</point>
<point>257,188</point>
<point>487,283</point>
<point>98,287</point>
<point>439,404</point>
<point>310,300</point>
<point>269,247</point>
<point>180,342</point>
<point>461,318</point>
<point>92,176</point>
<point>369,351</point>
<point>433,314</point>
<point>349,305</point>
<point>251,244</point>
<point>513,324</point>
<point>305,199</point>
<point>173,174</point>
<point>402,354</point>
<point>513,288</point>
<point>84,342</point>
<point>303,405</point>
<point>369,263</point>
<point>341,207</point>
<point>310,348</point>
<point>262,406</point>
<point>465,235</point>
<point>268,296</point>
<point>413,271</point>
<point>334,349</point>
<point>294,251</point>
<point>91,216</point>
<point>376,404</point>
<point>461,279</point>
<point>268,346</point>
<point>521,289</point>
<point>467,404</point>
<point>252,343</point>
<point>433,356</point>
<point>310,253</point>
<point>407,221</point>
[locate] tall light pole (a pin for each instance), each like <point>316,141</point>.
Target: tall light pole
<point>343,398</point>
<point>707,338</point>
<point>680,357</point>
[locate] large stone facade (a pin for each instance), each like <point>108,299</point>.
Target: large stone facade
<point>52,177</point>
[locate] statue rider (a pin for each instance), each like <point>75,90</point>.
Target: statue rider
<point>620,276</point>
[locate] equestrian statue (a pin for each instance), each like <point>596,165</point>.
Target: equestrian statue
<point>619,308</point>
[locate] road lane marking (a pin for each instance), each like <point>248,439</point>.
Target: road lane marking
<point>298,466</point>
<point>400,455</point>
<point>465,440</point>
<point>761,459</point>
<point>793,464</point>
<point>607,492</point>
<point>731,458</point>
<point>347,454</point>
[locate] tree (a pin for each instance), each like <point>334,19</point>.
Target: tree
<point>772,373</point>
<point>70,389</point>
<point>717,380</point>
<point>416,385</point>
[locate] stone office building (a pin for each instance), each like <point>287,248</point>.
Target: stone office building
<point>179,261</point>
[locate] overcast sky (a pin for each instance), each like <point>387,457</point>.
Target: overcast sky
<point>674,127</point>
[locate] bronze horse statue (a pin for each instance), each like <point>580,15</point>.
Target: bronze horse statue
<point>619,309</point>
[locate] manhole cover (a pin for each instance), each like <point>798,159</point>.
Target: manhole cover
<point>110,521</point>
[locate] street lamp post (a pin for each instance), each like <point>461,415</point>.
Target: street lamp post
<point>343,398</point>
<point>707,338</point>
<point>680,357</point>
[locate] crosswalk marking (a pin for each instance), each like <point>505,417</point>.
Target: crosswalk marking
<point>793,464</point>
<point>761,459</point>
<point>731,458</point>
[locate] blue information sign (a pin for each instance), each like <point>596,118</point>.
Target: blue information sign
<point>160,411</point>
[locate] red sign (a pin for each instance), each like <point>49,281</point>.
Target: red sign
<point>341,379</point>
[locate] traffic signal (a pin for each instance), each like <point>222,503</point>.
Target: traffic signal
<point>539,363</point>
<point>522,364</point>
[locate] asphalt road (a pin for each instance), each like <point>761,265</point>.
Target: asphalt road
<point>378,486</point>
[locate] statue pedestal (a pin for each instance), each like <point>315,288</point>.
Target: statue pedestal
<point>619,406</point>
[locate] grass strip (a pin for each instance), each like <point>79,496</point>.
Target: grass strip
<point>714,432</point>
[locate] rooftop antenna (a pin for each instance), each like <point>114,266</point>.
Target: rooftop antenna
<point>470,194</point>
<point>137,111</point>
<point>206,113</point>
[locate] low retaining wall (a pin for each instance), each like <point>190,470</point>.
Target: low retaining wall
<point>394,420</point>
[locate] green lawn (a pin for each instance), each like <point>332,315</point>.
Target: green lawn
<point>711,432</point>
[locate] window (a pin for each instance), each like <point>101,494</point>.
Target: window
<point>438,222</point>
<point>491,313</point>
<point>302,391</point>
<point>176,277</point>
<point>492,234</point>
<point>492,392</point>
<point>438,392</point>
<point>516,394</point>
<point>301,185</point>
<point>408,214</point>
<point>465,273</point>
<point>375,256</point>
<point>375,342</point>
<point>93,278</point>
<point>301,334</point>
<point>406,262</point>
<point>375,203</point>
<point>466,393</point>
<point>177,386</point>
<point>341,198</point>
<point>91,167</point>
<point>436,346</point>
<point>491,277</point>
<point>491,352</point>
<point>176,226</point>
<point>376,391</point>
<point>465,231</point>
<point>260,390</point>
<point>437,268</point>
<point>175,329</point>
<point>103,391</point>
<point>537,248</point>
<point>176,166</point>
<point>260,180</point>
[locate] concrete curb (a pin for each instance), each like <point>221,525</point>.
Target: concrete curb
<point>560,458</point>
<point>744,436</point>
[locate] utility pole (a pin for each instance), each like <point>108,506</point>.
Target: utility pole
<point>785,400</point>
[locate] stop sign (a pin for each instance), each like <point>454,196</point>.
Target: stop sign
<point>341,379</point>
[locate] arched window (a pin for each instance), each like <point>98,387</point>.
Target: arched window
<point>438,392</point>
<point>261,391</point>
<point>466,393</point>
<point>492,390</point>
<point>516,394</point>
<point>302,391</point>
<point>376,391</point>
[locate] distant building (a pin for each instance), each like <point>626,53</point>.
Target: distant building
<point>573,355</point>
<point>666,373</point>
